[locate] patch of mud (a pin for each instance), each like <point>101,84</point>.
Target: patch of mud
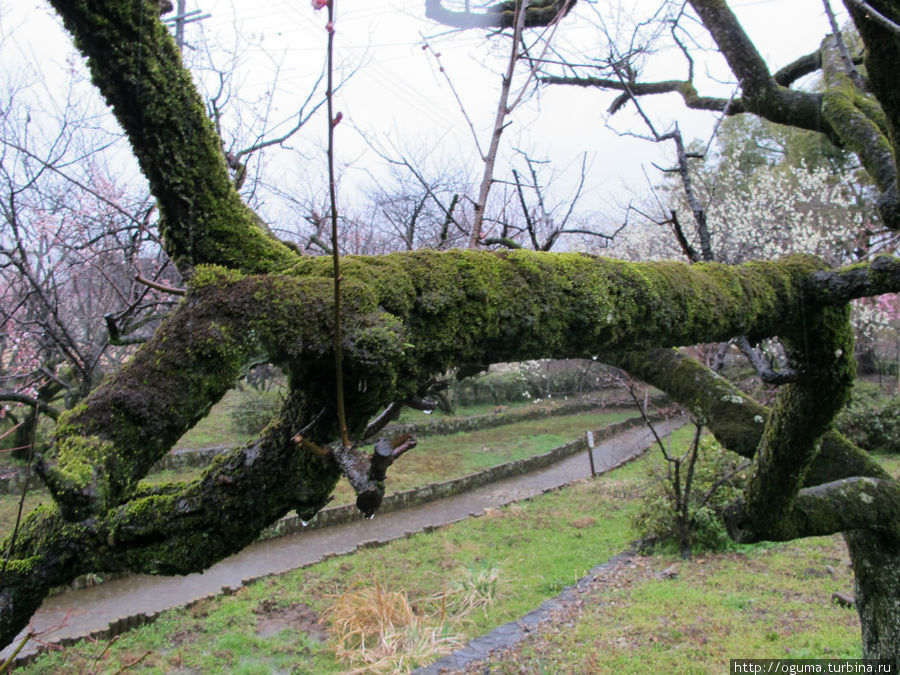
<point>273,619</point>
<point>186,635</point>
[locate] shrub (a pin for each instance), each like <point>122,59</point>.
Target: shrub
<point>657,519</point>
<point>529,380</point>
<point>253,411</point>
<point>492,387</point>
<point>870,419</point>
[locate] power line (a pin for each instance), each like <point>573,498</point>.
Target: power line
<point>183,17</point>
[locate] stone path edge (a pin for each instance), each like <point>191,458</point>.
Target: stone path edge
<point>509,635</point>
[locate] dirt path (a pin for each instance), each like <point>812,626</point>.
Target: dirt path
<point>127,602</point>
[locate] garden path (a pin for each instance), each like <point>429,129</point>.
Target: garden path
<point>129,601</point>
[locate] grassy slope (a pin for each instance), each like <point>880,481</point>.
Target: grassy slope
<point>761,601</point>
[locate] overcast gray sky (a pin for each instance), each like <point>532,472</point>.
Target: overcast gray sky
<point>397,95</point>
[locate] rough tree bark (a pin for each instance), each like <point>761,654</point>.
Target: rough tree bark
<point>407,317</point>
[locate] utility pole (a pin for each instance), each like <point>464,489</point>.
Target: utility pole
<point>179,24</point>
<point>181,18</point>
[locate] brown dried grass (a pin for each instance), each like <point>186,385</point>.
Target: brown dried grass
<point>378,631</point>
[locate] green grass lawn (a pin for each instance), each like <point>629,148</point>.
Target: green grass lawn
<point>460,581</point>
<point>216,429</point>
<point>436,458</point>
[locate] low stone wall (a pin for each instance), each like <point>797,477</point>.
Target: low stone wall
<point>336,515</point>
<point>181,459</point>
<point>445,427</point>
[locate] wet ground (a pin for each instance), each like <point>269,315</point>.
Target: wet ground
<point>125,602</point>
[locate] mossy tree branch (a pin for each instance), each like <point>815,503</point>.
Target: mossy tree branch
<point>409,316</point>
<point>736,420</point>
<point>847,115</point>
<point>452,308</point>
<point>843,113</point>
<point>740,423</point>
<point>881,59</point>
<point>137,67</point>
<point>857,116</point>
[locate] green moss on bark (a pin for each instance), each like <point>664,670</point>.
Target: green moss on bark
<point>137,67</point>
<point>820,347</point>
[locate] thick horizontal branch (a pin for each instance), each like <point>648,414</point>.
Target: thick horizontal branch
<point>835,287</point>
<point>409,317</point>
<point>859,503</point>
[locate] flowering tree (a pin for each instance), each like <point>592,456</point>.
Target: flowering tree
<point>406,318</point>
<point>759,208</point>
<point>72,241</point>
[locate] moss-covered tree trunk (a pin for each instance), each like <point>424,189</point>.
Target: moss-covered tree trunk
<point>876,571</point>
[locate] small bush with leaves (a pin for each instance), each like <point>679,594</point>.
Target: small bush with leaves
<point>492,387</point>
<point>530,380</point>
<point>870,419</point>
<point>254,410</point>
<point>716,483</point>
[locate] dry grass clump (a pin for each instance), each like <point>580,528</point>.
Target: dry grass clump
<point>475,588</point>
<point>377,631</point>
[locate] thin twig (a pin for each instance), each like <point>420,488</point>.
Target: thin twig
<point>12,657</point>
<point>335,252</point>
<point>158,286</point>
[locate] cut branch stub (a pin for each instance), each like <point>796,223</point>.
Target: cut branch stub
<point>367,474</point>
<point>357,468</point>
<point>382,458</point>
